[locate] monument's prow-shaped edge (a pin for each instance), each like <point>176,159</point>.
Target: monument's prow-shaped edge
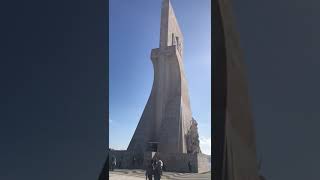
<point>166,125</point>
<point>167,115</point>
<point>234,135</point>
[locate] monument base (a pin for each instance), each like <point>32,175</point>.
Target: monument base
<point>173,162</point>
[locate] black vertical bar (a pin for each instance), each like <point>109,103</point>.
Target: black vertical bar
<point>219,91</point>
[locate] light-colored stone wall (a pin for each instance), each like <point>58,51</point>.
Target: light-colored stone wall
<point>125,159</point>
<point>239,156</point>
<point>167,115</point>
<point>173,162</point>
<point>178,162</point>
<point>203,163</point>
<point>169,25</point>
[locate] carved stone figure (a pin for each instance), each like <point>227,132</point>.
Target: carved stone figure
<point>193,143</point>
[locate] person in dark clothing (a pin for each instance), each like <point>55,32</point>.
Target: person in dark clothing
<point>149,171</point>
<point>140,162</point>
<point>157,171</point>
<point>161,165</point>
<point>153,163</point>
<point>134,161</point>
<point>113,162</point>
<point>155,160</point>
<point>190,167</point>
<point>119,165</point>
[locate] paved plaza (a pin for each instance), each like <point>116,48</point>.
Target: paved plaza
<point>138,174</point>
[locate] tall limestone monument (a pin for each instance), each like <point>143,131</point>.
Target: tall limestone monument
<point>166,128</point>
<point>167,117</point>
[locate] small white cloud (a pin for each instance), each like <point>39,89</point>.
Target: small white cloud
<point>205,145</point>
<point>118,146</point>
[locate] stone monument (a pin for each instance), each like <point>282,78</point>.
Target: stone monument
<point>167,116</point>
<point>166,128</point>
<point>234,135</point>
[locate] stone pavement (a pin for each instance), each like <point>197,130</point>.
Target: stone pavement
<point>138,174</point>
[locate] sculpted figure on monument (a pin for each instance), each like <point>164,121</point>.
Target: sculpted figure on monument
<point>193,138</point>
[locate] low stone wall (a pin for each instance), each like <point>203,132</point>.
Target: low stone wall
<point>178,162</point>
<point>125,159</point>
<point>173,162</point>
<point>203,163</point>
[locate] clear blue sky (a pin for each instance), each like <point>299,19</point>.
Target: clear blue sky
<point>134,30</point>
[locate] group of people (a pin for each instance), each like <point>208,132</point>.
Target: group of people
<point>154,169</point>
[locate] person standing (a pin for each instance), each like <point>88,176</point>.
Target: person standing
<point>149,171</point>
<point>157,171</point>
<point>154,162</point>
<point>119,166</point>
<point>161,166</point>
<point>190,167</point>
<point>113,162</point>
<point>134,160</point>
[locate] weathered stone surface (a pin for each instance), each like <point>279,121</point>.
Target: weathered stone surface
<point>127,159</point>
<point>167,119</point>
<point>193,143</point>
<point>178,162</point>
<point>203,163</point>
<point>235,145</point>
<point>167,116</point>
